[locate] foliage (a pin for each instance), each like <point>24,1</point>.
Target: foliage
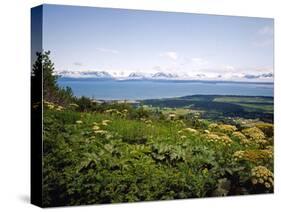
<point>107,153</point>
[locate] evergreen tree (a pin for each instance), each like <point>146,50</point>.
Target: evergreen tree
<point>43,77</point>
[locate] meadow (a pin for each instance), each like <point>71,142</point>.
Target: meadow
<point>118,152</point>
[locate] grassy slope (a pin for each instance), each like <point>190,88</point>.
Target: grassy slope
<point>127,160</point>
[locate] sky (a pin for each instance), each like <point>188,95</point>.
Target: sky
<point>192,46</point>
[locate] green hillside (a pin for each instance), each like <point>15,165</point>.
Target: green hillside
<point>120,153</point>
<point>218,107</point>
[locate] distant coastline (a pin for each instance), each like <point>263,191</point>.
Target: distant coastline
<point>138,101</point>
<point>162,80</point>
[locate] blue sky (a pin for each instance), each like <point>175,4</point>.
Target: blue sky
<point>189,45</point>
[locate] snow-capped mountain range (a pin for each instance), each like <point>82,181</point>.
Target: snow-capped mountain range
<point>262,77</point>
<point>107,75</point>
<point>84,74</point>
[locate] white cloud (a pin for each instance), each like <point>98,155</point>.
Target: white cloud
<point>112,51</point>
<point>171,55</point>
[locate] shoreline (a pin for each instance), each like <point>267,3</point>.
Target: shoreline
<point>138,101</point>
<point>164,80</point>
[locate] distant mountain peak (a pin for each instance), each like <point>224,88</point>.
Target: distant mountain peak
<point>138,75</point>
<point>107,75</point>
<point>164,75</point>
<point>84,74</point>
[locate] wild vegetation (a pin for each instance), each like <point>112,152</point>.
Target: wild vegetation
<point>118,152</point>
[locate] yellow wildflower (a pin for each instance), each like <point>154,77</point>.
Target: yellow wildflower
<point>206,131</point>
<point>226,128</point>
<point>190,130</point>
<point>223,128</point>
<point>241,138</point>
<point>262,175</point>
<point>211,137</point>
<point>224,139</point>
<point>238,155</point>
<point>212,127</point>
<point>59,108</point>
<point>254,133</point>
<point>254,156</point>
<point>105,122</point>
<point>96,127</point>
<point>100,132</point>
<point>73,105</point>
<point>238,136</point>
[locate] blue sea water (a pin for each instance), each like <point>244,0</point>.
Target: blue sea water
<point>137,90</point>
